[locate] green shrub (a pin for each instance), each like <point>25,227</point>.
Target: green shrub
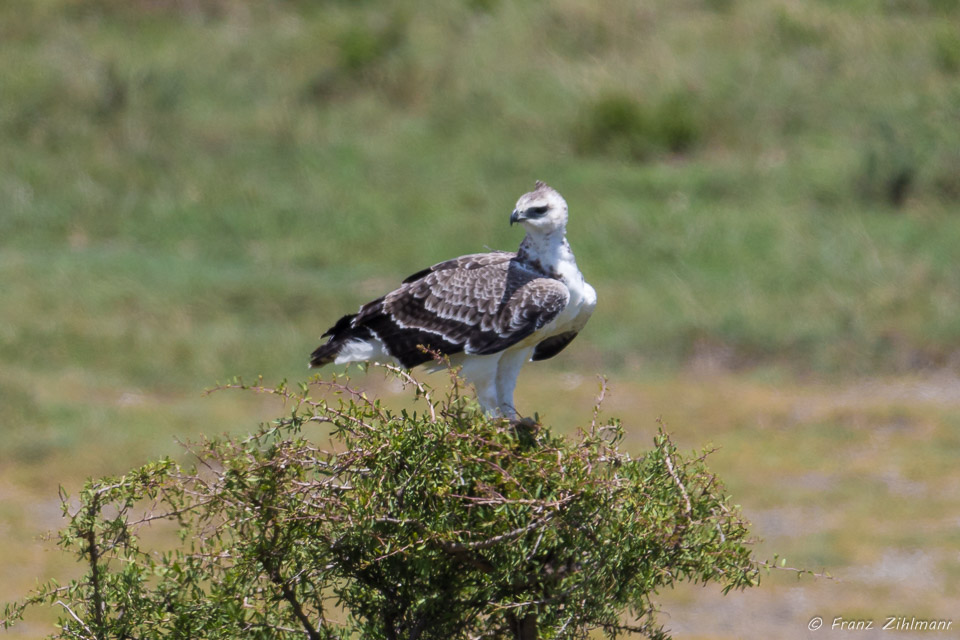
<point>676,122</point>
<point>889,167</point>
<point>946,51</point>
<point>946,176</point>
<point>614,124</point>
<point>792,31</point>
<point>922,7</point>
<point>437,523</point>
<point>720,6</point>
<point>618,125</point>
<point>363,45</point>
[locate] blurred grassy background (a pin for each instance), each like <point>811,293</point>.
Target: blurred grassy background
<point>764,194</point>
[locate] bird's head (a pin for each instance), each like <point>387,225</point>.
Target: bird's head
<point>542,211</point>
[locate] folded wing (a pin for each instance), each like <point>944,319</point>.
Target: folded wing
<point>478,304</point>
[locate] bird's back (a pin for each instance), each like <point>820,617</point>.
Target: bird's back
<point>478,304</point>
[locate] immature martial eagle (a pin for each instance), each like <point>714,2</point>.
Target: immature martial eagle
<point>489,312</point>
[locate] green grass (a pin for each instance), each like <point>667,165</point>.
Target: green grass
<point>233,147</point>
<point>191,191</point>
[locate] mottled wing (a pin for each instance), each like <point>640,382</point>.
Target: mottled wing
<point>482,305</point>
<point>468,262</point>
<point>528,307</point>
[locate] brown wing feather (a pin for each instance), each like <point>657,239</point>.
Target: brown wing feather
<point>529,307</point>
<point>472,261</point>
<point>479,304</point>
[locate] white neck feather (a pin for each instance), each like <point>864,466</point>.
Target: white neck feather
<point>549,252</point>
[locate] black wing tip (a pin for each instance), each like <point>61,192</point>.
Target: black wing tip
<point>324,354</point>
<point>337,334</point>
<point>342,325</point>
<point>416,276</point>
<point>552,346</point>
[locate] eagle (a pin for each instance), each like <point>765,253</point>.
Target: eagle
<point>489,313</point>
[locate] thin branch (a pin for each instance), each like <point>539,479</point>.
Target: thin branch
<point>599,403</point>
<point>409,379</point>
<point>91,537</point>
<point>495,540</point>
<point>536,546</point>
<point>291,597</point>
<point>673,473</point>
<point>273,571</point>
<point>74,616</point>
<point>799,572</point>
<point>498,500</point>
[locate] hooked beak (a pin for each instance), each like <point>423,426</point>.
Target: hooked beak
<point>515,217</point>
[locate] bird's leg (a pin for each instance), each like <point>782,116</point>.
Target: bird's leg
<point>508,369</point>
<point>481,372</point>
<point>487,397</point>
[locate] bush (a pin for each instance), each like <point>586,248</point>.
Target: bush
<point>363,46</point>
<point>618,125</point>
<point>946,51</point>
<point>889,167</point>
<point>438,523</point>
<point>946,176</point>
<point>371,55</point>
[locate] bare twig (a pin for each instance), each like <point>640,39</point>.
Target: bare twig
<point>94,555</point>
<point>75,616</point>
<point>495,540</point>
<point>272,566</point>
<point>409,379</point>
<point>599,403</point>
<point>673,473</point>
<point>799,572</point>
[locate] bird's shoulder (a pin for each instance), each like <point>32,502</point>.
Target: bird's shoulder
<point>466,263</point>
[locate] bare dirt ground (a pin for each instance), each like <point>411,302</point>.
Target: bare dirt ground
<point>857,480</point>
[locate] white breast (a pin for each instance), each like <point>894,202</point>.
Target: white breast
<point>557,257</point>
<point>583,298</point>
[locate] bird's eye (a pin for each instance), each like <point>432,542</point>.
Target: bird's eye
<point>537,211</point>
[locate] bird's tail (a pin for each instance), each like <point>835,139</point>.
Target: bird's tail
<point>339,335</point>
